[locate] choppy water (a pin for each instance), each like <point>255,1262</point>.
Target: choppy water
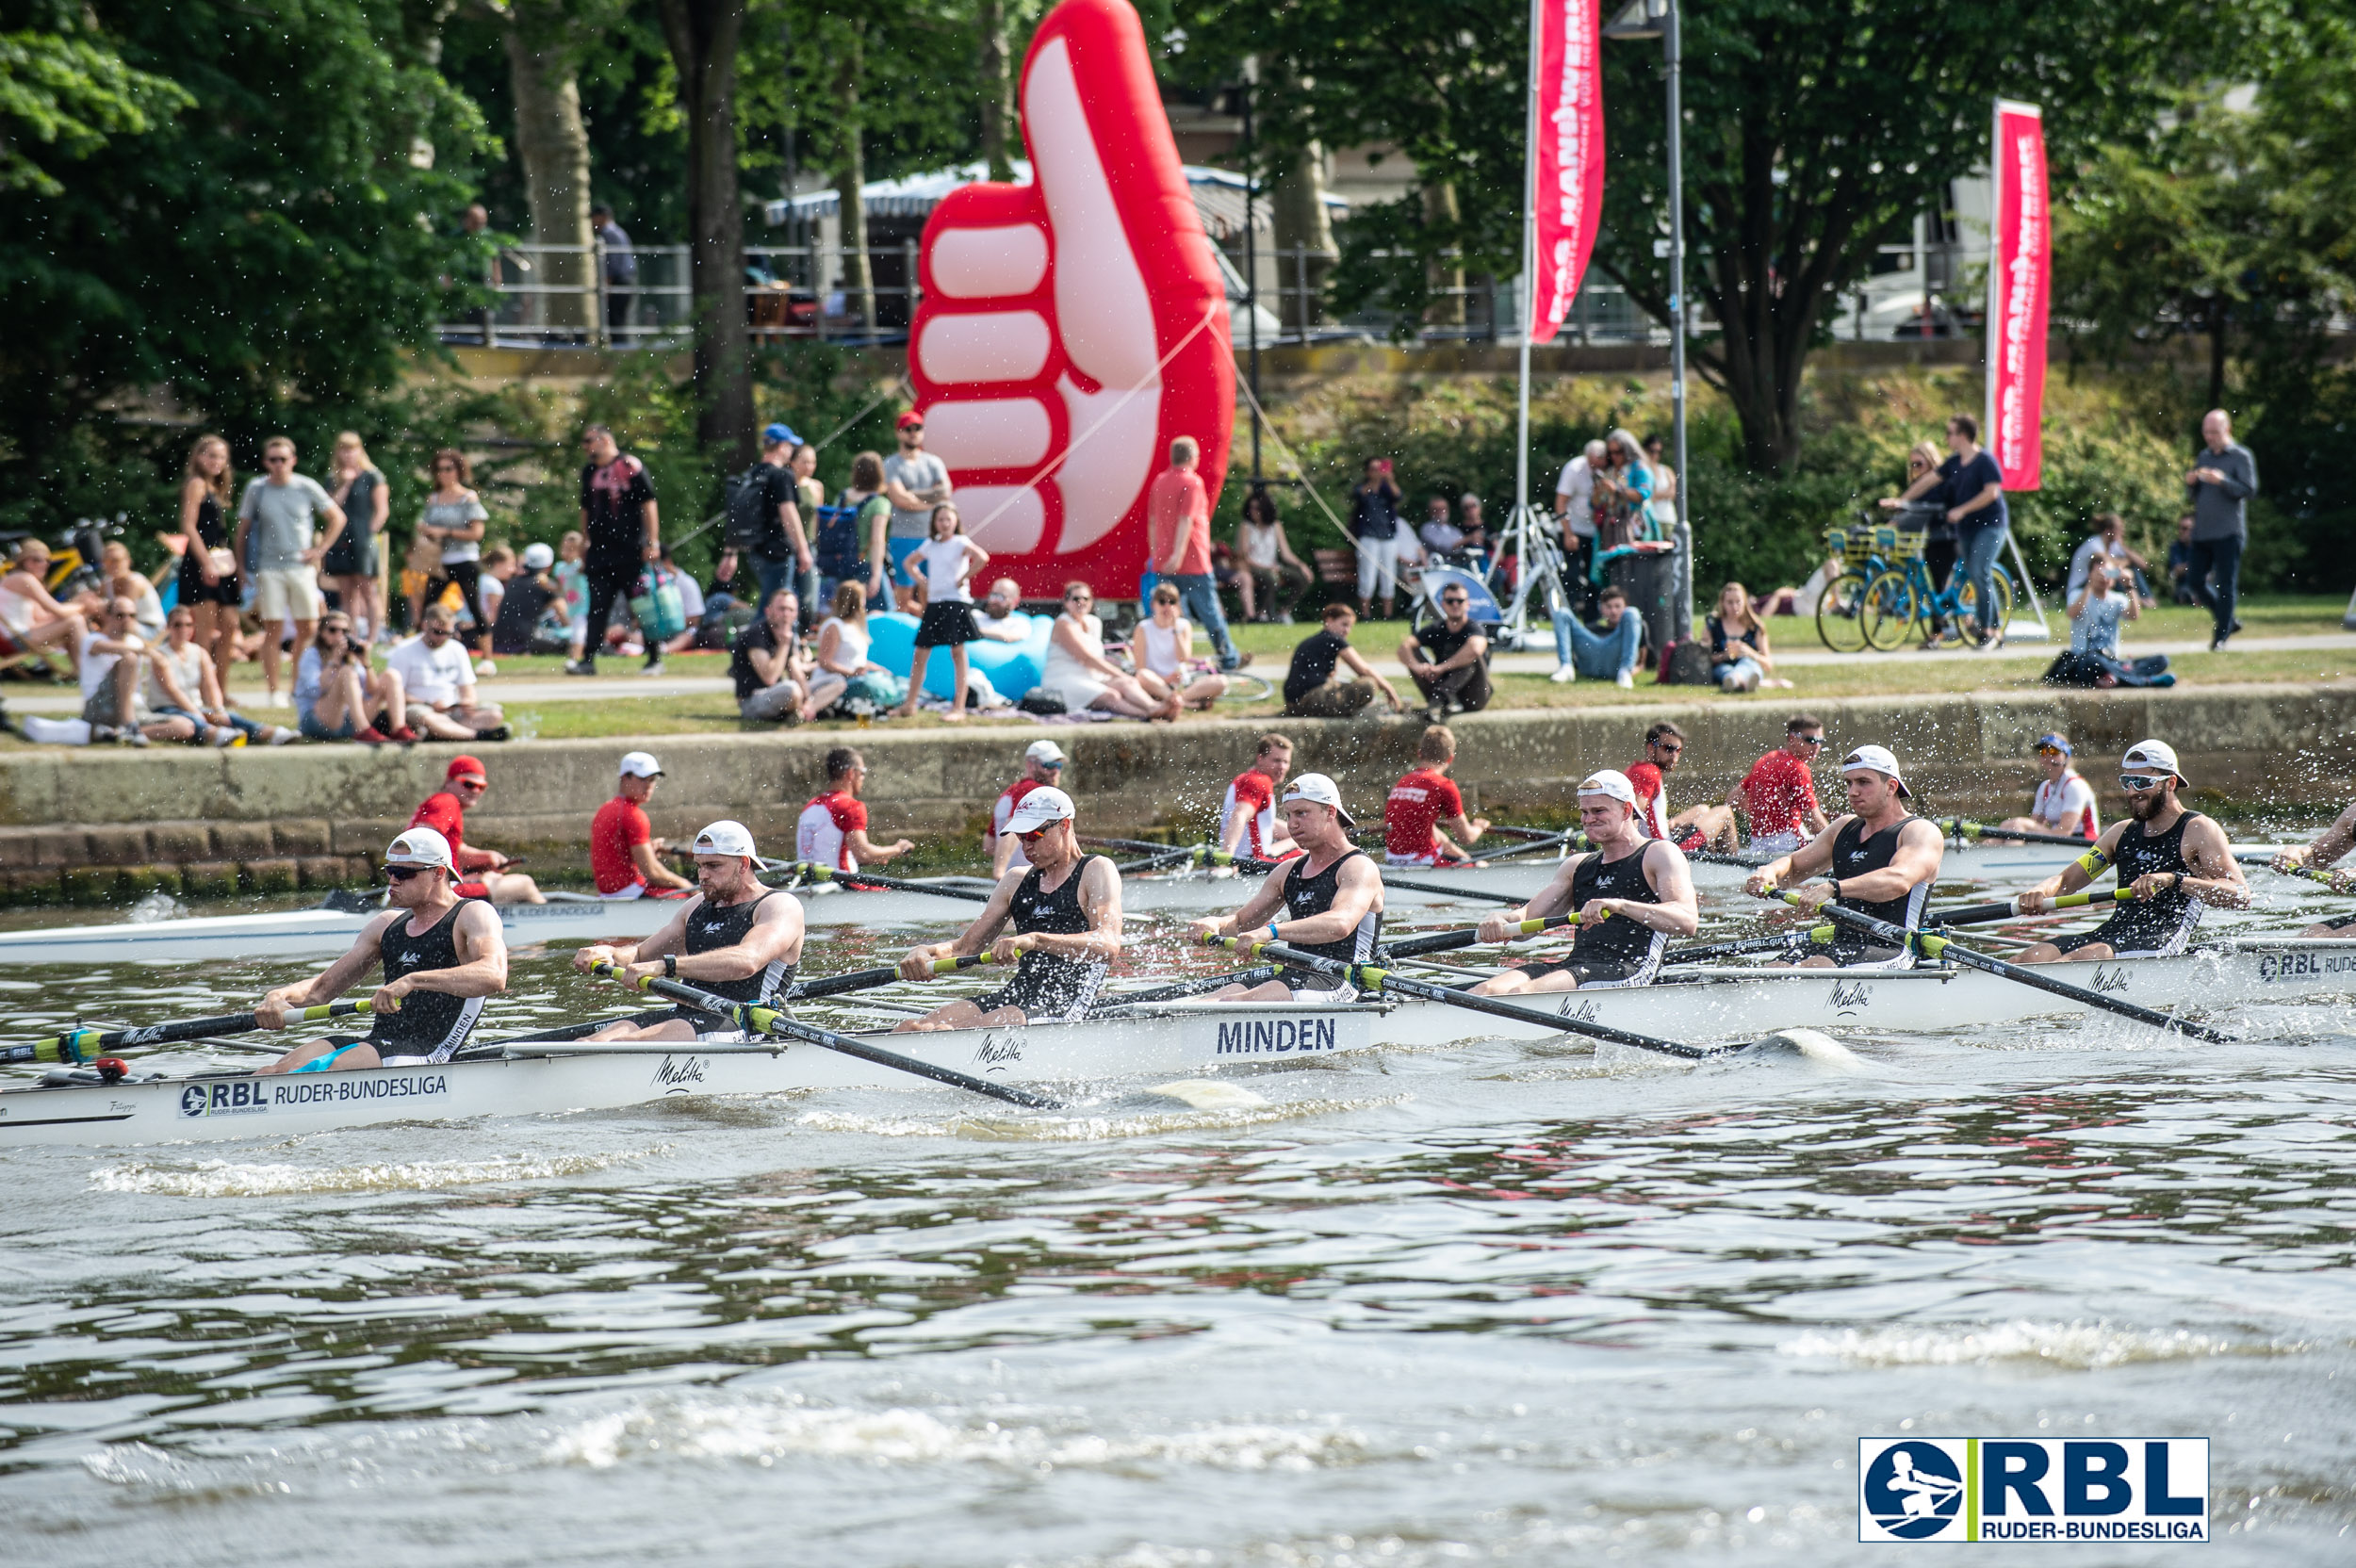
<point>1491,1303</point>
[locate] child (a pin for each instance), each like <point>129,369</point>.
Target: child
<point>941,566</point>
<point>572,584</point>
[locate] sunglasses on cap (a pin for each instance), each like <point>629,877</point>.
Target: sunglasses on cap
<point>2136,783</point>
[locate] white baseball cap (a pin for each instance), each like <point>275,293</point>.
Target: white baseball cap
<point>419,846</point>
<point>1609,781</point>
<point>538,557</point>
<point>1039,808</point>
<point>1876,759</point>
<point>726,837</point>
<point>2152,756</point>
<point>640,764</point>
<point>1324,791</point>
<point>1047,752</point>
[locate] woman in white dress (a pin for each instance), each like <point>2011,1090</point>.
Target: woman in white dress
<point>1163,651</point>
<point>943,565</point>
<point>1078,672</point>
<point>842,642</point>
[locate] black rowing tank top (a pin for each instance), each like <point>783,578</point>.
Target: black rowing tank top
<point>1306,895</point>
<point>2165,923</point>
<point>717,926</point>
<point>431,1024</point>
<point>1853,855</point>
<point>1056,913</point>
<point>1616,941</point>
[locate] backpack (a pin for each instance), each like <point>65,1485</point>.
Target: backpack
<point>1685,663</point>
<point>751,518</point>
<point>661,612</point>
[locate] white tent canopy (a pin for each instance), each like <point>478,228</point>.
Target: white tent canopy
<point>1219,196</point>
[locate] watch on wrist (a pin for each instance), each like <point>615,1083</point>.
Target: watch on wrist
<point>670,966</point>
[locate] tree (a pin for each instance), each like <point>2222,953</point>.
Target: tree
<point>65,93</point>
<point>703,35</point>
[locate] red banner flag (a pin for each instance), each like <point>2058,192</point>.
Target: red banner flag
<point>2019,278</point>
<point>1566,154</point>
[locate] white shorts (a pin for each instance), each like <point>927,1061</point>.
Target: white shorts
<point>636,889</point>
<point>1776,844</point>
<point>287,593</point>
<point>1378,564</point>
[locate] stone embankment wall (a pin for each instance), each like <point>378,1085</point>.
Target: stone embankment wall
<point>103,826</point>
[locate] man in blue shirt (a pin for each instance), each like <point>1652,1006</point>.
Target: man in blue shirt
<point>1974,494</point>
<point>2220,485</point>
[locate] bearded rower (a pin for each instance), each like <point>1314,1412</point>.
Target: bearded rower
<point>735,939</point>
<point>1882,859</point>
<point>1066,909</point>
<point>1328,900</point>
<point>1632,893</point>
<point>2334,841</point>
<point>2179,863</point>
<point>442,954</point>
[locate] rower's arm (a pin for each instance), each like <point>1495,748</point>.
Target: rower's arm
<point>1678,911</point>
<point>1354,894</point>
<point>1915,860</point>
<point>869,852</point>
<point>1467,830</point>
<point>481,970</point>
<point>1230,832</point>
<point>650,866</point>
<point>2217,877</point>
<point>986,926</point>
<point>1002,848</point>
<point>1806,861</point>
<point>332,981</point>
<point>1553,899</point>
<point>2081,870</point>
<point>2334,841</point>
<point>1100,897</point>
<point>1266,900</point>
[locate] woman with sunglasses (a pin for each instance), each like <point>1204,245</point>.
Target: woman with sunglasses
<point>1079,674</point>
<point>336,694</point>
<point>1163,649</point>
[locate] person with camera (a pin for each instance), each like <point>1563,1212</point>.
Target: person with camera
<point>1374,524</point>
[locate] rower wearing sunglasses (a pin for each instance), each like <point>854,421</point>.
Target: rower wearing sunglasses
<point>1878,858</point>
<point>2179,863</point>
<point>442,956</point>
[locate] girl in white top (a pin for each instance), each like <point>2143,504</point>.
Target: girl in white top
<point>842,642</point>
<point>33,618</point>
<point>2065,801</point>
<point>941,564</point>
<point>1078,672</point>
<point>147,615</point>
<point>1163,649</point>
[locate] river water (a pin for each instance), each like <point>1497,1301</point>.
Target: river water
<point>1500,1303</point>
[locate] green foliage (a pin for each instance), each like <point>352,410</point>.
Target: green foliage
<point>66,93</point>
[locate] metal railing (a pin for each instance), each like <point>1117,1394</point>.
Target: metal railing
<point>1479,309</point>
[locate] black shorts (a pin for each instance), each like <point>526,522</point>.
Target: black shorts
<point>1849,951</point>
<point>1061,993</point>
<point>946,624</point>
<point>1587,972</point>
<point>2337,926</point>
<point>2133,932</point>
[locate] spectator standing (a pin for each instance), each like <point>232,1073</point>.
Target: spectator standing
<point>2180,563</point>
<point>571,576</point>
<point>915,482</point>
<point>1974,494</point>
<point>621,268</point>
<point>1662,509</point>
<point>765,662</point>
<point>862,516</point>
<point>1739,657</point>
<point>454,521</point>
<point>1313,688</point>
<point>437,679</point>
<point>941,564</point>
<point>181,685</point>
<point>1374,524</point>
<point>350,565</point>
<point>1268,562</point>
<point>624,856</point>
<point>471,223</point>
<point>2220,485</point>
<point>1574,502</point>
<point>1607,655</point>
<point>1448,660</point>
<point>337,696</point>
<point>1178,522</point>
<point>279,517</point>
<point>783,550</point>
<point>1623,490</point>
<point>810,498</point>
<point>209,569</point>
<point>624,530</point>
<point>1779,794</point>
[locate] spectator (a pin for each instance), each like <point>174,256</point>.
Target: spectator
<point>783,549</point>
<point>862,512</point>
<point>147,607</point>
<point>337,697</point>
<point>1374,524</point>
<point>1801,600</point>
<point>1178,517</point>
<point>1312,687</point>
<point>1926,484</point>
<point>810,497</point>
<point>208,570</point>
<point>1078,674</point>
<point>2064,802</point>
<point>2109,539</point>
<point>1448,660</point>
<point>1470,522</point>
<point>772,680</point>
<point>1662,509</point>
<point>1001,618</point>
<point>1623,490</point>
<point>453,522</point>
<point>941,564</point>
<point>2220,487</point>
<point>1974,495</point>
<point>1739,656</point>
<point>690,604</point>
<point>181,685</point>
<point>525,597</point>
<point>114,701</point>
<point>2095,615</point>
<point>844,675</point>
<point>2180,563</point>
<point>34,620</point>
<point>1779,794</point>
<point>1162,647</point>
<point>1610,654</point>
<point>915,482</point>
<point>1439,532</point>
<point>624,530</point>
<point>621,268</point>
<point>1574,502</point>
<point>278,516</point>
<point>1268,562</point>
<point>471,223</point>
<point>437,681</point>
<point>571,578</point>
<point>624,856</point>
<point>350,565</point>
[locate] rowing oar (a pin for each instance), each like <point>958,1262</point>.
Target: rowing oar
<point>2312,875</point>
<point>1980,914</point>
<point>1372,978</point>
<point>882,974</point>
<point>816,873</point>
<point>768,1020</point>
<point>1935,947</point>
<point>69,1047</point>
<point>1713,951</point>
<point>1245,862</point>
<point>1156,862</point>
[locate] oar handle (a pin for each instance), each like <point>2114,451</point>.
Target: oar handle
<point>1980,914</point>
<point>80,1044</point>
<point>2309,874</point>
<point>811,871</point>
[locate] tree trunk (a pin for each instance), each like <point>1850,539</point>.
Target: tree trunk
<point>703,35</point>
<point>1299,222</point>
<point>998,110</point>
<point>552,145</point>
<point>1444,278</point>
<point>2216,352</point>
<point>858,281</point>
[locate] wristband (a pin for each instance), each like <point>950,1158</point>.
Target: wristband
<point>670,966</point>
<point>1272,932</point>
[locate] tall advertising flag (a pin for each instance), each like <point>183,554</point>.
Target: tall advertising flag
<point>2019,278</point>
<point>1566,154</point>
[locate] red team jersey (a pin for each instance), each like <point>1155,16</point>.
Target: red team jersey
<point>998,815</point>
<point>1416,805</point>
<point>823,833</point>
<point>1254,793</point>
<point>619,826</point>
<point>1780,792</point>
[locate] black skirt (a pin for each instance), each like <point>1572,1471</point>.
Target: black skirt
<point>946,624</point>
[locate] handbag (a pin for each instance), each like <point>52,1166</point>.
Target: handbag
<point>223,561</point>
<point>662,613</point>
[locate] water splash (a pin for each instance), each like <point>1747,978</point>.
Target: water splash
<point>1084,1129</point>
<point>2080,1347</point>
<point>225,1179</point>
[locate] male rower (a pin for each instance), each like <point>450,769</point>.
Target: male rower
<point>1632,893</point>
<point>1779,794</point>
<point>2179,863</point>
<point>1328,900</point>
<point>1425,807</point>
<point>1042,763</point>
<point>1065,910</point>
<point>1882,859</point>
<point>442,954</point>
<point>624,856</point>
<point>1704,824</point>
<point>736,938</point>
<point>1248,823</point>
<point>445,812</point>
<point>2064,802</point>
<point>2334,841</point>
<point>833,826</point>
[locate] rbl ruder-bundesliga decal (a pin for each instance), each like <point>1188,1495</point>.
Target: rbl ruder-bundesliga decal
<point>2032,1488</point>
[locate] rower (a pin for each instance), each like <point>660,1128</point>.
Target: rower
<point>1882,858</point>
<point>1042,763</point>
<point>445,812</point>
<point>442,954</point>
<point>2064,802</point>
<point>1248,822</point>
<point>624,856</point>
<point>1066,909</point>
<point>2334,842</point>
<point>1631,893</point>
<point>1779,794</point>
<point>1699,826</point>
<point>2179,863</point>
<point>1425,807</point>
<point>833,826</point>
<point>735,939</point>
<point>1330,897</point>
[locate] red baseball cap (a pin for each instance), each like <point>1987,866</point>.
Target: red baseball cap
<point>463,766</point>
<point>910,418</point>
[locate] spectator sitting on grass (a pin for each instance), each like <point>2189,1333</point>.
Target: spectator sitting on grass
<point>1606,655</point>
<point>337,697</point>
<point>35,620</point>
<point>437,678</point>
<point>113,702</point>
<point>2109,539</point>
<point>1000,617</point>
<point>1267,566</point>
<point>114,565</point>
<point>1439,532</point>
<point>842,674</point>
<point>1313,688</point>
<point>182,684</point>
<point>772,677</point>
<point>524,596</point>
<point>1740,660</point>
<point>1449,661</point>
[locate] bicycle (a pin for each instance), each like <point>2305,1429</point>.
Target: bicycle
<point>1840,611</point>
<point>1901,597</point>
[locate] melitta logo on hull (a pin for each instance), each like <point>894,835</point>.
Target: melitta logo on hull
<point>254,1096</point>
<point>2032,1488</point>
<point>1266,1037</point>
<point>1849,996</point>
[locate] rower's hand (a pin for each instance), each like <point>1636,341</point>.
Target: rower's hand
<point>273,1011</point>
<point>2151,884</point>
<point>1480,824</point>
<point>1594,911</point>
<point>587,959</point>
<point>1759,884</point>
<point>1498,928</point>
<point>918,965</point>
<point>387,998</point>
<point>2290,859</point>
<point>1206,929</point>
<point>1815,895</point>
<point>900,846</point>
<point>647,970</point>
<point>499,862</point>
<point>1010,947</point>
<point>2343,881</point>
<point>2032,903</point>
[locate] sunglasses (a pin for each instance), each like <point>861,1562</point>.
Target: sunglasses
<point>470,784</point>
<point>1671,748</point>
<point>1035,834</point>
<point>2136,783</point>
<point>1808,740</point>
<point>402,873</point>
<point>1454,598</point>
<point>911,430</point>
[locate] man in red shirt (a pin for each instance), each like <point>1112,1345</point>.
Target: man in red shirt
<point>833,826</point>
<point>1696,827</point>
<point>1042,763</point>
<point>445,812</point>
<point>624,854</point>
<point>1248,822</point>
<point>1178,531</point>
<point>1778,796</point>
<point>1425,807</point>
